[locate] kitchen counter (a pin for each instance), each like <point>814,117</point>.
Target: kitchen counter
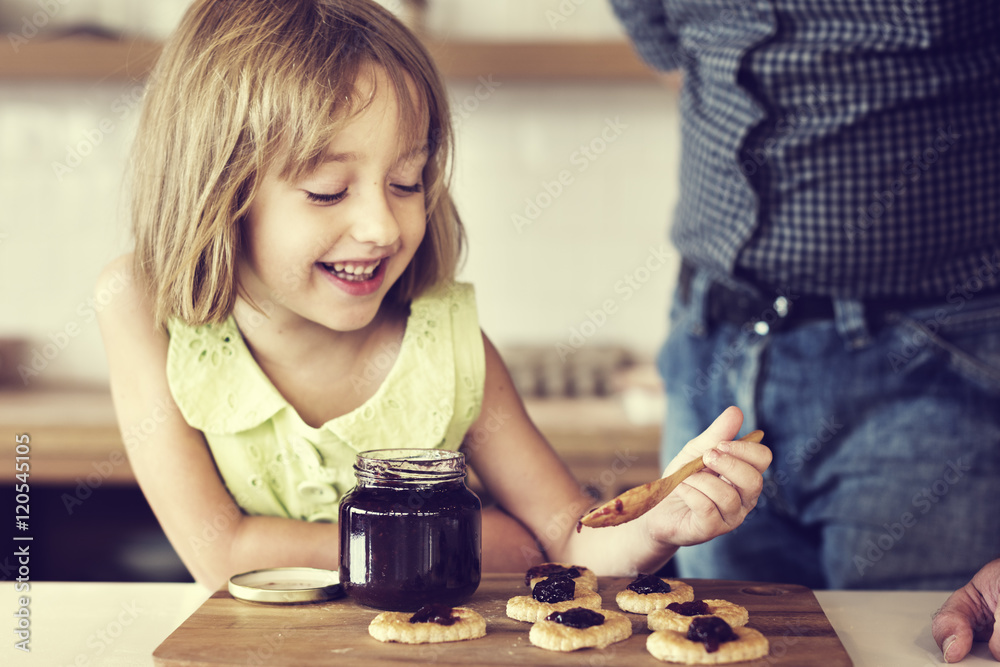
<point>88,624</point>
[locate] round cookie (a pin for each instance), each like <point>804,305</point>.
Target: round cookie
<point>555,636</point>
<point>527,608</point>
<point>673,646</point>
<point>395,626</point>
<point>539,572</point>
<point>668,619</point>
<point>644,603</point>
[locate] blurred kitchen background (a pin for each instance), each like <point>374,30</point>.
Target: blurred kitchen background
<point>566,175</point>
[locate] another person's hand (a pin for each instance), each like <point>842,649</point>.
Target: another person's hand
<point>718,499</point>
<point>971,613</point>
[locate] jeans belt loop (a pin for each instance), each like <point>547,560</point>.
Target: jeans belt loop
<point>849,319</point>
<point>699,303</point>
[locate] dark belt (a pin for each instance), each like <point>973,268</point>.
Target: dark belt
<point>780,309</point>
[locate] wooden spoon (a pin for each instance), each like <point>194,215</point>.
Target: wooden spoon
<point>637,501</point>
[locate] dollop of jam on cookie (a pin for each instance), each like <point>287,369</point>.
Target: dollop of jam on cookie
<point>550,570</point>
<point>577,617</point>
<point>710,631</point>
<point>693,608</point>
<point>646,584</point>
<point>435,612</point>
<point>554,589</point>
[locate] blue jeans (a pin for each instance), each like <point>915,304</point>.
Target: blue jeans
<point>886,441</point>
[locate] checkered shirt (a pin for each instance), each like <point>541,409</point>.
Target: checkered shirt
<point>848,148</point>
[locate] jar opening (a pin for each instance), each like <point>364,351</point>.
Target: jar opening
<point>410,464</point>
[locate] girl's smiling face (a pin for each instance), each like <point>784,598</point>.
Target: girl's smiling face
<point>327,246</point>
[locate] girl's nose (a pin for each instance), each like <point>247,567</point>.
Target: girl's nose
<point>375,222</point>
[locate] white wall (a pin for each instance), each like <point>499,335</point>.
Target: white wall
<point>58,229</point>
<point>584,266</point>
<point>566,191</point>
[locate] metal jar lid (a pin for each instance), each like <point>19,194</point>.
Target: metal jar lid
<point>286,585</point>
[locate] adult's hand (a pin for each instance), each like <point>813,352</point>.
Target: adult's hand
<point>971,613</point>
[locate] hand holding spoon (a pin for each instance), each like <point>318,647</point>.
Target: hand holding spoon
<point>637,501</point>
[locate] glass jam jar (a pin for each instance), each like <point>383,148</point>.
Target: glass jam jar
<point>410,531</point>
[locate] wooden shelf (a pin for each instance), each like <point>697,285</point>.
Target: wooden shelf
<point>77,58</point>
<point>544,61</point>
<point>85,58</point>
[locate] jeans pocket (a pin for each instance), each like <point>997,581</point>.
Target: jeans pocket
<point>967,336</point>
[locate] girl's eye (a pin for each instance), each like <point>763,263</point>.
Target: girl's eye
<point>326,199</point>
<point>409,189</point>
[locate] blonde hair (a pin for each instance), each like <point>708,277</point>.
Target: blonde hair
<point>241,85</point>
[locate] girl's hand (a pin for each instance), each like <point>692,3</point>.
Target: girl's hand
<point>972,612</point>
<point>716,500</point>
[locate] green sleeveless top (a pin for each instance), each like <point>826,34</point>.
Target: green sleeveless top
<point>275,464</point>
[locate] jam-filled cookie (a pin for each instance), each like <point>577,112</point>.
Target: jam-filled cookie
<point>430,624</point>
<point>578,628</point>
<point>579,573</point>
<point>549,595</point>
<point>708,641</point>
<point>647,592</point>
<point>678,615</point>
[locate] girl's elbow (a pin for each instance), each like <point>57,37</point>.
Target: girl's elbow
<point>211,578</point>
<point>211,568</point>
<point>208,581</point>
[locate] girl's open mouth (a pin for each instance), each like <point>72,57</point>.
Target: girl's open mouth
<point>356,278</point>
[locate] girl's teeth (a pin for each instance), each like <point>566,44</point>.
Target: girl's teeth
<point>354,271</point>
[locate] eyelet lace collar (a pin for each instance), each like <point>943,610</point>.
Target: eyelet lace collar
<point>220,389</point>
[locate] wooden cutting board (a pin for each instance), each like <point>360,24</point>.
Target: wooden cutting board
<point>227,631</point>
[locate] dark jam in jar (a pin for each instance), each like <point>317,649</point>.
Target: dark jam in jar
<point>577,617</point>
<point>645,584</point>
<point>410,531</point>
<point>692,608</point>
<point>710,631</point>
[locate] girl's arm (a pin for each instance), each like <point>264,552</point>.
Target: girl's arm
<point>528,479</point>
<point>507,545</point>
<point>173,465</point>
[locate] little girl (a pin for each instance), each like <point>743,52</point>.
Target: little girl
<point>292,299</point>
